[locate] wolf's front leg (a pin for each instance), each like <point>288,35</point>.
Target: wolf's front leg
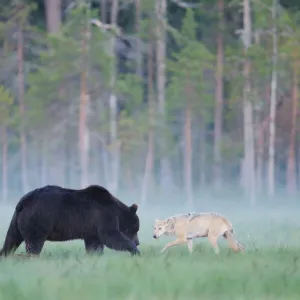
<point>174,243</point>
<point>213,239</point>
<point>190,245</point>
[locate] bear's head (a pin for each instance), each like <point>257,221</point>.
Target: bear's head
<point>130,223</point>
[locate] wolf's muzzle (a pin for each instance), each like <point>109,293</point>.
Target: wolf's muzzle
<point>154,236</point>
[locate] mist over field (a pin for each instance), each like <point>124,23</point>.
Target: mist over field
<point>271,223</point>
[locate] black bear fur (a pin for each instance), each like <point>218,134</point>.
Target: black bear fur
<point>54,213</point>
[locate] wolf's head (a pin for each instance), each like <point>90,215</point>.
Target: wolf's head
<point>163,227</point>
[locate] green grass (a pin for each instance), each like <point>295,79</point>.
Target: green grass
<point>61,274</point>
<point>269,269</point>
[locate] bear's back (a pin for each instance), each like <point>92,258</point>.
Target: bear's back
<point>54,193</point>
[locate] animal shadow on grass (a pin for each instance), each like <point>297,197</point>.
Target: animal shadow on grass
<point>151,251</point>
<point>20,257</point>
<point>62,254</point>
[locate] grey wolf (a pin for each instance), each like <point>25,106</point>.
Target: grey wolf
<point>186,227</point>
<point>54,213</point>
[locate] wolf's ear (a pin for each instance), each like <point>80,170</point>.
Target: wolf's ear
<point>170,221</point>
<point>133,208</point>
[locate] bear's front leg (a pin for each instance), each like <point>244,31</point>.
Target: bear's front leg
<point>93,245</point>
<point>114,239</point>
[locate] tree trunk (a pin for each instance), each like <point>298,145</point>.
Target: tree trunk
<point>260,154</point>
<point>139,65</point>
<point>291,164</point>
<point>84,134</point>
<point>165,168</point>
<point>248,111</point>
<point>259,125</point>
<point>188,155</point>
<point>22,111</point>
<point>150,155</point>
<point>272,125</point>
<point>53,15</point>
<point>202,153</point>
<point>4,163</point>
<point>115,151</point>
<point>219,99</point>
<point>44,162</point>
<point>68,157</point>
<point>103,7</point>
<point>105,160</point>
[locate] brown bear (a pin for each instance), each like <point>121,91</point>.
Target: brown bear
<point>54,213</point>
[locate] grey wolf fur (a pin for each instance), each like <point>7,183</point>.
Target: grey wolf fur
<point>186,227</point>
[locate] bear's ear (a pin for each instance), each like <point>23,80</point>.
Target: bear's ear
<point>133,208</point>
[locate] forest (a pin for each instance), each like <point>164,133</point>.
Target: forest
<point>150,96</point>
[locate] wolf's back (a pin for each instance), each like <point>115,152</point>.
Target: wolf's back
<point>214,217</point>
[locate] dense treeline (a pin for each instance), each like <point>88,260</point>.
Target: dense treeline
<point>150,97</point>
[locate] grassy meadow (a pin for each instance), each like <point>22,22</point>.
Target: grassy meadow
<point>269,269</point>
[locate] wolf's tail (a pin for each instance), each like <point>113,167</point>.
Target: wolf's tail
<point>13,237</point>
<point>233,243</point>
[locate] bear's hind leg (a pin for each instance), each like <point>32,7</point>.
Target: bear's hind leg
<point>93,245</point>
<point>11,244</point>
<point>34,247</point>
<point>36,228</point>
<point>114,239</point>
<point>13,238</point>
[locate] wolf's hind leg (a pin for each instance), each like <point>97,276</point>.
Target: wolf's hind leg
<point>232,243</point>
<point>242,248</point>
